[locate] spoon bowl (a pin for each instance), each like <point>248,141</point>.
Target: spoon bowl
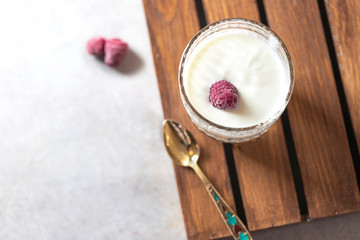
<point>180,144</point>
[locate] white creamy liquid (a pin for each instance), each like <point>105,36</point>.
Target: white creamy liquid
<point>246,61</point>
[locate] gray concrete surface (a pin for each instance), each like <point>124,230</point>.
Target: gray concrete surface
<point>340,227</point>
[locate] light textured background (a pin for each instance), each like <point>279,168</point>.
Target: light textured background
<point>81,152</point>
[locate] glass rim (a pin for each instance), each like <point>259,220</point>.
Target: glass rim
<point>236,20</point>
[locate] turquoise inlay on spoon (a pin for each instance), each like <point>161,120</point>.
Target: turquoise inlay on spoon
<point>243,237</point>
<point>216,197</point>
<point>231,219</point>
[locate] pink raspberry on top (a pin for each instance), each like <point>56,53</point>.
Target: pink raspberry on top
<point>115,51</point>
<point>95,46</point>
<point>223,95</point>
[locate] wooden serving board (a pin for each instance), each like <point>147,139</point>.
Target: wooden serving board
<point>307,165</point>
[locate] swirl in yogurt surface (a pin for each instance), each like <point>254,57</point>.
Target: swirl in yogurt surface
<point>247,62</point>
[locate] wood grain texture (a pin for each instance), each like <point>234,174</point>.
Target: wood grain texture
<point>171,25</point>
<point>263,167</point>
<point>218,9</point>
<point>314,111</point>
<point>266,181</point>
<point>345,27</point>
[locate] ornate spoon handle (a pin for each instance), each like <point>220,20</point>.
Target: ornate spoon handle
<point>231,220</point>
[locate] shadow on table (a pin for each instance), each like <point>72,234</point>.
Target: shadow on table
<point>332,228</point>
<point>131,63</point>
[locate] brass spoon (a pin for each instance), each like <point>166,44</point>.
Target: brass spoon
<point>184,150</point>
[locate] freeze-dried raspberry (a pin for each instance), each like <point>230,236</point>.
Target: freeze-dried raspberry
<point>115,51</point>
<point>223,95</point>
<point>95,46</point>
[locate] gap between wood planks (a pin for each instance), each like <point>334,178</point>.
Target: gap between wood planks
<point>294,163</point>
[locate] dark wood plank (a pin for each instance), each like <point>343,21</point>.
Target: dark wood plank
<point>263,166</point>
<point>345,28</point>
<point>314,111</point>
<point>171,25</point>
